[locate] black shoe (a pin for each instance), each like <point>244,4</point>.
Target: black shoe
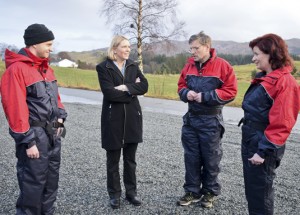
<point>208,200</point>
<point>114,203</point>
<point>188,199</point>
<point>134,200</point>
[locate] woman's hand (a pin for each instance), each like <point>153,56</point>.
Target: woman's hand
<point>121,87</point>
<point>256,159</point>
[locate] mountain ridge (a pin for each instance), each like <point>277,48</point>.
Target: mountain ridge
<point>172,48</point>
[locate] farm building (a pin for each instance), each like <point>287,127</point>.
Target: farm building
<point>67,63</point>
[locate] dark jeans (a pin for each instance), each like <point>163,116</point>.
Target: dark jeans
<point>38,178</point>
<point>129,174</point>
<point>259,179</point>
<point>201,140</point>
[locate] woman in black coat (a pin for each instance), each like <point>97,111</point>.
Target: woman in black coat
<point>121,82</point>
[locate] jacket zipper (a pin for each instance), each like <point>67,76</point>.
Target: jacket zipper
<point>125,117</point>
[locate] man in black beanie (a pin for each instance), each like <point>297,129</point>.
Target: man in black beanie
<point>35,115</point>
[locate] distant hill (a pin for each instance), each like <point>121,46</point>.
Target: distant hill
<point>92,57</point>
<point>175,47</point>
<point>222,47</point>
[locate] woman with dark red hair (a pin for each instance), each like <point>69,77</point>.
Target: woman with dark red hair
<point>271,106</point>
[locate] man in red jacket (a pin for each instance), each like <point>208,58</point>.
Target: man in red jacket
<point>206,83</point>
<point>35,115</point>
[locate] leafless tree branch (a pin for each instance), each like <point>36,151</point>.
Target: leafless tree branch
<point>143,20</point>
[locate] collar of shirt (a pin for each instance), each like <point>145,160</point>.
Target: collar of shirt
<point>123,67</point>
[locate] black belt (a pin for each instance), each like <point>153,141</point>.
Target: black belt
<point>255,125</point>
<point>206,112</point>
<point>48,126</point>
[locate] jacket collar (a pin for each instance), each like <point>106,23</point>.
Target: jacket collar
<point>110,63</point>
<point>273,76</point>
<point>40,63</point>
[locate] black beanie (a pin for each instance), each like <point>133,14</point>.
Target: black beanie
<point>37,33</point>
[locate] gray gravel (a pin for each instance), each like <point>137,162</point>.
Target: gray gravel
<point>160,170</point>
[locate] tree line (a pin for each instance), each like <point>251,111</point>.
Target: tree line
<point>162,64</point>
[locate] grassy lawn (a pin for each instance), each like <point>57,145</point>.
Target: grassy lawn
<point>160,86</point>
<point>77,78</point>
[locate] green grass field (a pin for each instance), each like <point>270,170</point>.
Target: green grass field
<point>160,86</point>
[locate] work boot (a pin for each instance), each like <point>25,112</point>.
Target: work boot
<point>188,199</point>
<point>207,200</point>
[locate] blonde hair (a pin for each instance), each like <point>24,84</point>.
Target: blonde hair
<point>113,45</point>
<point>202,38</point>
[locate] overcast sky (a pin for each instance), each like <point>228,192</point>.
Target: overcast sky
<point>77,25</point>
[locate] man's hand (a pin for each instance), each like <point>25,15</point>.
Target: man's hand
<point>60,129</point>
<point>33,152</point>
<point>137,80</point>
<point>121,87</point>
<point>198,97</point>
<point>256,159</point>
<point>191,95</point>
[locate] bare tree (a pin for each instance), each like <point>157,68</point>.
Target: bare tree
<point>144,21</point>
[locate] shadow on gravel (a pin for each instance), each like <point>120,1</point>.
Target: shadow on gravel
<point>160,171</point>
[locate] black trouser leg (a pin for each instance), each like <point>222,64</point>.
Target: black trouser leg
<point>259,179</point>
<point>37,181</point>
<point>113,175</point>
<point>129,175</point>
<point>51,186</point>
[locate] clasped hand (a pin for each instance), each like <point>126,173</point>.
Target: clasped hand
<point>193,96</point>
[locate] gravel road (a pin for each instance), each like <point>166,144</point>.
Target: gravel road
<point>160,171</point>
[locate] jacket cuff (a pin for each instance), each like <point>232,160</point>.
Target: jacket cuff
<point>32,143</point>
<point>261,153</point>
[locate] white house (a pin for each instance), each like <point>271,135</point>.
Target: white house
<point>67,63</point>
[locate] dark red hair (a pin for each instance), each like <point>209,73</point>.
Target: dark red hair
<point>274,46</point>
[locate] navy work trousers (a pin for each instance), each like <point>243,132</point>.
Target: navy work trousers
<point>38,178</point>
<point>201,140</point>
<point>259,179</point>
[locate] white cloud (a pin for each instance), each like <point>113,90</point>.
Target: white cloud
<point>77,24</point>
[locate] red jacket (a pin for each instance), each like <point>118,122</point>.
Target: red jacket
<point>29,92</point>
<point>215,80</point>
<point>273,99</point>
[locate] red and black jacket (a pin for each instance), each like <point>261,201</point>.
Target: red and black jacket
<point>29,92</point>
<point>273,100</point>
<point>215,80</point>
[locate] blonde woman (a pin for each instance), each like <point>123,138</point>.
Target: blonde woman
<point>121,82</point>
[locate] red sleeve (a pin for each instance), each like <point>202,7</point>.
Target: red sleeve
<point>13,95</point>
<point>283,114</point>
<point>228,90</point>
<point>181,81</point>
<point>60,104</point>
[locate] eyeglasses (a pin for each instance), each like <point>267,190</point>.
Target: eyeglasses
<point>193,49</point>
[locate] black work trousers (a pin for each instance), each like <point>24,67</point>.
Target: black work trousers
<point>38,178</point>
<point>129,171</point>
<point>259,179</point>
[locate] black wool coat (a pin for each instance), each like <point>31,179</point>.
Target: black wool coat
<point>121,118</point>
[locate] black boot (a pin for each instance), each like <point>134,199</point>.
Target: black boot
<point>114,203</point>
<point>134,200</point>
